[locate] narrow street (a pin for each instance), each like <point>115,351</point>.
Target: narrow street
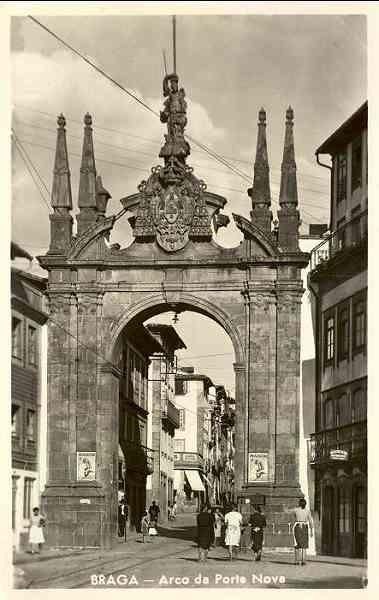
<point>171,561</point>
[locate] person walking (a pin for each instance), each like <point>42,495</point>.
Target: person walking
<point>205,532</point>
<point>257,523</point>
<point>174,510</point>
<point>121,518</point>
<point>218,522</point>
<point>145,524</point>
<point>233,522</point>
<point>154,514</point>
<point>302,528</point>
<point>169,511</point>
<point>36,537</point>
<point>245,541</point>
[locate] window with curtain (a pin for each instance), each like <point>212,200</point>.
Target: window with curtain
<point>16,338</point>
<point>356,164</point>
<point>28,492</point>
<point>359,324</point>
<point>359,406</point>
<point>329,339</point>
<point>32,345</point>
<point>343,333</point>
<point>341,176</point>
<point>344,410</point>
<point>329,422</point>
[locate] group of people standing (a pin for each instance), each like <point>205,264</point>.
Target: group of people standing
<point>211,522</point>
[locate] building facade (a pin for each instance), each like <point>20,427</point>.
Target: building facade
<point>163,418</point>
<point>191,441</point>
<point>219,464</point>
<point>28,320</point>
<point>338,285</point>
<point>137,345</point>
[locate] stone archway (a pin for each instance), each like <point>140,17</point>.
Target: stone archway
<point>253,291</point>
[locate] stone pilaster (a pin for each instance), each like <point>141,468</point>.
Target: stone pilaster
<point>240,427</point>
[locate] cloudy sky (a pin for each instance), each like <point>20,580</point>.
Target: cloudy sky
<point>229,65</point>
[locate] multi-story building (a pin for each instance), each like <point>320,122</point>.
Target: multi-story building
<point>219,467</point>
<point>163,416</point>
<point>338,285</point>
<point>28,342</point>
<point>191,438</point>
<point>136,460</point>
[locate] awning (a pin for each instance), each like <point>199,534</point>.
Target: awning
<point>195,481</point>
<point>177,479</point>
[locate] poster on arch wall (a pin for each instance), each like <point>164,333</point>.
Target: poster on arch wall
<point>86,466</point>
<point>258,466</point>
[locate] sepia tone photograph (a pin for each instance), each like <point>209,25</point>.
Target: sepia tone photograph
<point>189,282</point>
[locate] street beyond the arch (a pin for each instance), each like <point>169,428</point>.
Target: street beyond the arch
<point>171,561</point>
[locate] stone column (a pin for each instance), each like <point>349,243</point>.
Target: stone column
<point>288,392</point>
<point>261,391</point>
<point>240,427</point>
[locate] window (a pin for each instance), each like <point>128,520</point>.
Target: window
<point>328,414</point>
<point>359,408</point>
<point>329,339</point>
<point>341,233</point>
<point>16,421</point>
<point>344,510</point>
<point>356,164</point>
<point>355,225</point>
<point>344,410</point>
<point>14,500</point>
<point>343,333</point>
<point>179,445</point>
<point>181,387</point>
<point>361,510</point>
<point>182,423</point>
<point>32,345</point>
<point>28,491</point>
<point>359,324</point>
<point>341,176</point>
<point>16,337</point>
<point>31,425</point>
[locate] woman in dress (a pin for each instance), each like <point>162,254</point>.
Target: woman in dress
<point>258,523</point>
<point>303,527</point>
<point>233,522</point>
<point>145,524</point>
<point>205,532</point>
<point>36,537</point>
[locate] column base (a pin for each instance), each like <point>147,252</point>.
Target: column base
<point>276,502</point>
<point>77,516</point>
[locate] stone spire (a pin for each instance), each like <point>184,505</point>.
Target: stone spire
<point>61,194</point>
<point>87,184</point>
<point>61,198</point>
<point>260,193</point>
<point>288,215</point>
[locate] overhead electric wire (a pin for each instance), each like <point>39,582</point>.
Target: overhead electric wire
<point>19,149</point>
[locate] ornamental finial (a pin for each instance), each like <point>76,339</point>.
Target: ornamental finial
<point>61,121</point>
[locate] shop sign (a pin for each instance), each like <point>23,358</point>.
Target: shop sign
<point>339,454</point>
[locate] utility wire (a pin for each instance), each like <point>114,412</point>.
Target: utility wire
<point>19,149</point>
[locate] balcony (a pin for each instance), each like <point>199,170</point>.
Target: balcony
<point>171,413</point>
<point>138,457</point>
<point>350,441</point>
<point>188,460</point>
<point>347,240</point>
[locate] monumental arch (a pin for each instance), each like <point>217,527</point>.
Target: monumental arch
<point>97,289</point>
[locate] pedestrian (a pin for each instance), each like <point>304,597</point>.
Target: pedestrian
<point>233,522</point>
<point>205,526</point>
<point>145,524</point>
<point>257,523</point>
<point>302,528</point>
<point>121,518</point>
<point>245,541</point>
<point>218,522</point>
<point>36,537</point>
<point>174,510</point>
<point>154,514</point>
<point>169,512</point>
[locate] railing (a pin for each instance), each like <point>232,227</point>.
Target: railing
<point>171,413</point>
<point>350,235</point>
<point>350,439</point>
<point>138,457</point>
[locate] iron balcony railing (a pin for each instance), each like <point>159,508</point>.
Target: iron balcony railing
<point>340,443</point>
<point>350,235</point>
<point>138,457</point>
<point>171,413</point>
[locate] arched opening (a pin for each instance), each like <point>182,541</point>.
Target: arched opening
<point>177,394</point>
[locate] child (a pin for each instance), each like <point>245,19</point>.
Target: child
<point>36,537</point>
<point>145,525</point>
